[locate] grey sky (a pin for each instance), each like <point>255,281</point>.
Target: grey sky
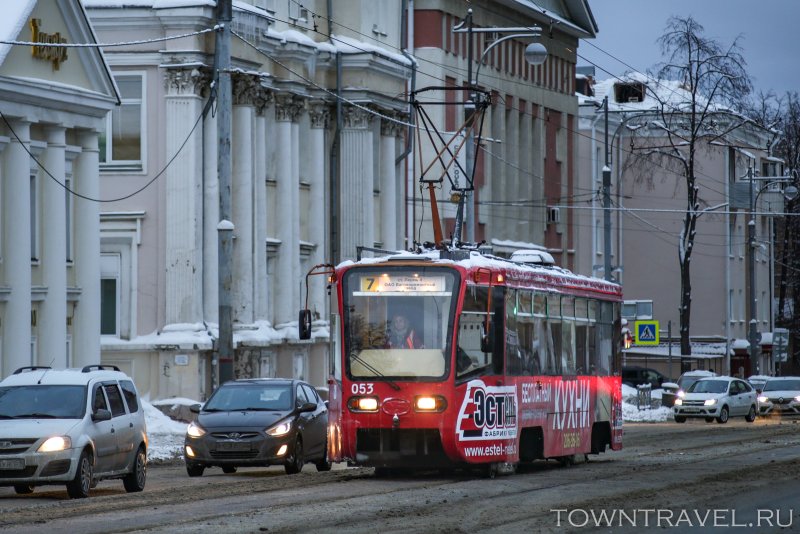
<point>628,30</point>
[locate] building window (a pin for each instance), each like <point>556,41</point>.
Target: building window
<point>34,219</point>
<point>637,310</point>
<point>109,294</point>
<point>299,365</point>
<point>122,143</point>
<point>68,215</point>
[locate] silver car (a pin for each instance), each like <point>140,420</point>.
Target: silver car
<point>73,427</point>
<point>781,395</point>
<point>720,398</point>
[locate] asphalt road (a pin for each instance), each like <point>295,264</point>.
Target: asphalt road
<point>693,476</point>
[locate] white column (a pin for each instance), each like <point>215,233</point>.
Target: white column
<point>356,183</point>
<point>286,216</point>
<point>299,280</point>
<point>242,139</point>
<point>260,282</point>
<point>184,202</point>
<point>86,323</point>
<point>53,310</point>
<point>389,178</point>
<point>317,227</point>
<point>210,220</point>
<point>17,253</point>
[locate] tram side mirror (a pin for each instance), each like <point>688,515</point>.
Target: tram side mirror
<point>487,338</point>
<point>304,324</point>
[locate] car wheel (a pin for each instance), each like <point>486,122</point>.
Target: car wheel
<point>323,464</point>
<point>709,419</point>
<point>680,419</point>
<point>751,415</point>
<point>229,469</point>
<point>723,415</point>
<point>294,464</point>
<point>23,489</point>
<point>195,470</point>
<point>134,481</point>
<point>78,487</point>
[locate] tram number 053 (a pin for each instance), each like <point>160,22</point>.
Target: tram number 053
<point>361,389</point>
<point>572,440</point>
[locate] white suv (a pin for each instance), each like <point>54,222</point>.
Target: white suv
<point>73,427</point>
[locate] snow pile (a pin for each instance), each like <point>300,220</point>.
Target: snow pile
<point>631,412</point>
<point>164,435</point>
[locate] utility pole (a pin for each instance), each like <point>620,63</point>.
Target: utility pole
<point>225,226</point>
<point>469,112</point>
<point>752,336</point>
<point>607,202</point>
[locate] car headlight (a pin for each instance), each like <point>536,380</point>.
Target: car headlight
<point>678,402</point>
<point>797,398</point>
<point>280,429</point>
<point>194,430</point>
<point>710,402</point>
<point>764,398</point>
<point>55,444</point>
<point>681,393</point>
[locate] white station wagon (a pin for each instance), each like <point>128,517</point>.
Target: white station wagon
<point>73,427</point>
<point>719,397</point>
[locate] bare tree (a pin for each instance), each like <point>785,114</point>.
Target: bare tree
<point>699,111</point>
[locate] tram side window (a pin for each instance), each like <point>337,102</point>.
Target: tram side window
<point>525,361</point>
<point>469,358</point>
<point>602,356</point>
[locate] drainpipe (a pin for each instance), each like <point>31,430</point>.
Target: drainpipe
<point>407,15</point>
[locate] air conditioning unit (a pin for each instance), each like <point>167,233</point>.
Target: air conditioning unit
<point>553,215</point>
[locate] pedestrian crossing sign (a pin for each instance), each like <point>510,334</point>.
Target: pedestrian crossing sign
<point>646,333</point>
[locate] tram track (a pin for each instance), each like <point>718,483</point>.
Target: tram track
<point>659,460</point>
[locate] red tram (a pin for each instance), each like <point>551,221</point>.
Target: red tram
<point>496,361</point>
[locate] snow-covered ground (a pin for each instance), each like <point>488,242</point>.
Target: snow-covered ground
<point>166,435</point>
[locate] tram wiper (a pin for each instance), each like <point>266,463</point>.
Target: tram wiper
<point>374,371</point>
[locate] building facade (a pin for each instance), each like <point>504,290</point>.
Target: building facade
<point>648,207</point>
<point>52,104</point>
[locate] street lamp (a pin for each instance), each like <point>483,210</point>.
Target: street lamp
<point>790,192</point>
<point>535,54</point>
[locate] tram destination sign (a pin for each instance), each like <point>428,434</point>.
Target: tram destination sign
<point>386,284</point>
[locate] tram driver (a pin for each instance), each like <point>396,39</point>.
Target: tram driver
<point>402,335</point>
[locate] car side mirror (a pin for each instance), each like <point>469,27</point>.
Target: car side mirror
<point>304,324</point>
<point>101,415</point>
<point>307,407</point>
<point>195,408</point>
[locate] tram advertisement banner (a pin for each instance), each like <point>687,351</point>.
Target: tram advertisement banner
<point>487,413</point>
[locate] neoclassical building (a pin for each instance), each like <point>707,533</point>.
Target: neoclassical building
<point>53,103</point>
<point>314,118</point>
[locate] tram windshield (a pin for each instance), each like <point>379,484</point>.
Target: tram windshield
<point>398,321</point>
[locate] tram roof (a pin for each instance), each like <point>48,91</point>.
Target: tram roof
<point>516,274</point>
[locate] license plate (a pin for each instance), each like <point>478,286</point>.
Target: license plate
<point>12,463</point>
<point>692,410</point>
<point>232,446</point>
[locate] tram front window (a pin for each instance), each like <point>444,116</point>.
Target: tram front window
<point>398,322</point>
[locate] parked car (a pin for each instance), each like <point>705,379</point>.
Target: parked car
<point>635,376</point>
<point>673,390</point>
<point>758,381</point>
<point>719,397</point>
<point>258,422</point>
<point>781,395</point>
<point>73,427</point>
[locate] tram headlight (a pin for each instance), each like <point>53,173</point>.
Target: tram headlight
<point>430,403</point>
<point>363,404</point>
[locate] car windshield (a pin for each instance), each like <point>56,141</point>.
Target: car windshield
<point>685,382</point>
<point>782,385</point>
<point>251,397</point>
<point>709,386</point>
<point>42,402</point>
